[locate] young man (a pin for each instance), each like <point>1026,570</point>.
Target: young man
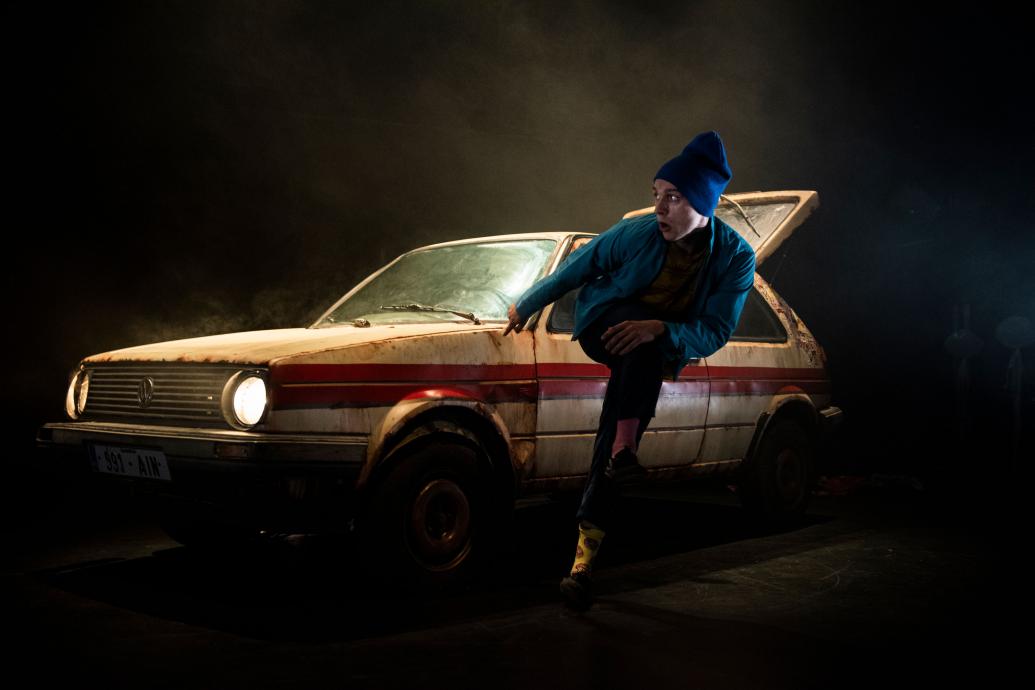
<point>657,291</point>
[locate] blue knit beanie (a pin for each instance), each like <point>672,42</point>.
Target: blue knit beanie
<point>700,172</point>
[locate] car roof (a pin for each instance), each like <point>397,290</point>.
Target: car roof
<point>556,236</point>
<point>764,235</point>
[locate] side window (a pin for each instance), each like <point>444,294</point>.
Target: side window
<point>562,318</point>
<point>758,323</point>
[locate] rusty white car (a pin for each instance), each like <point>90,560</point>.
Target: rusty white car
<point>404,415</point>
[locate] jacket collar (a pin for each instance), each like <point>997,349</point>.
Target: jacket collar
<point>709,230</point>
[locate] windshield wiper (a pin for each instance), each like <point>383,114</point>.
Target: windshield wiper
<point>743,214</point>
<point>422,307</point>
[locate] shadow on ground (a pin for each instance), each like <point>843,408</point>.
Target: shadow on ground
<point>308,588</point>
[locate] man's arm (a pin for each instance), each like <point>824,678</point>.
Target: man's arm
<point>712,328</point>
<point>595,258</point>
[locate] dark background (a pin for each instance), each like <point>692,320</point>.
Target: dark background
<point>191,168</point>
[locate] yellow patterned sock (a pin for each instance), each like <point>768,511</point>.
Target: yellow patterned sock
<point>589,541</point>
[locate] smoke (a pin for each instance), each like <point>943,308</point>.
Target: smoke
<point>211,167</point>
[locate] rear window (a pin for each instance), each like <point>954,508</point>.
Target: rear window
<point>758,323</point>
<point>765,217</point>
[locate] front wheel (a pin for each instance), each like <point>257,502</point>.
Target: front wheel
<point>426,523</point>
<point>776,486</point>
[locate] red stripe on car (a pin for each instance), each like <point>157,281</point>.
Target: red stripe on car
<point>341,373</point>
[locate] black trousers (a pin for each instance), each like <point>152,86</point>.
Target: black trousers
<point>632,392</point>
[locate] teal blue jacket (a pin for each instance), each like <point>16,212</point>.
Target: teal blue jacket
<point>626,258</point>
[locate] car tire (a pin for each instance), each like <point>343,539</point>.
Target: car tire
<point>426,524</point>
<point>777,484</point>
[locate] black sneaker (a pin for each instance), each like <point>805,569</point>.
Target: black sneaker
<point>624,469</point>
<point>577,590</point>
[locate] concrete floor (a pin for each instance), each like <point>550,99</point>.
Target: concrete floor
<point>887,585</point>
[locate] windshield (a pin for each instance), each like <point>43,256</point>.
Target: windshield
<point>483,278</point>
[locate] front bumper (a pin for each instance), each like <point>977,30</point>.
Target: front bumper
<point>274,481</point>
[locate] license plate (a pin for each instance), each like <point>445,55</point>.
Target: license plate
<point>130,462</point>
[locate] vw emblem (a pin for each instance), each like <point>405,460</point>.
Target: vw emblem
<point>146,391</point>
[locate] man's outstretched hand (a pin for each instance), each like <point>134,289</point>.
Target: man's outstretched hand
<point>623,337</point>
<point>517,322</point>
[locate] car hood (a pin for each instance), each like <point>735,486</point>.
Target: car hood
<point>263,347</point>
<point>771,216</point>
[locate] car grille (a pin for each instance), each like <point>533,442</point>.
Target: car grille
<point>180,392</point>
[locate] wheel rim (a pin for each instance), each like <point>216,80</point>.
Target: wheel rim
<point>440,525</point>
<point>789,478</point>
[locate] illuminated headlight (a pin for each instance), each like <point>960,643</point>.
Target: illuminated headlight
<point>250,400</point>
<point>245,399</point>
<point>75,399</point>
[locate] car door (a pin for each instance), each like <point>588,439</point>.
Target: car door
<point>571,393</point>
<point>757,363</point>
<point>760,361</point>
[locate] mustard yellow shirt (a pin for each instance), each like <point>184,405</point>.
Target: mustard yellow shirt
<point>673,289</point>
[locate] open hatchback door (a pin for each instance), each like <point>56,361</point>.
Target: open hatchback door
<point>764,219</point>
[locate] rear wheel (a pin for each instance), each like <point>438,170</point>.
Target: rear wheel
<point>777,484</point>
<point>426,524</point>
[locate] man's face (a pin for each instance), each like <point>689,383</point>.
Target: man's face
<point>676,217</point>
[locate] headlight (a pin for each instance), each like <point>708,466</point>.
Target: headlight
<point>250,400</point>
<point>75,399</point>
<point>244,399</point>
